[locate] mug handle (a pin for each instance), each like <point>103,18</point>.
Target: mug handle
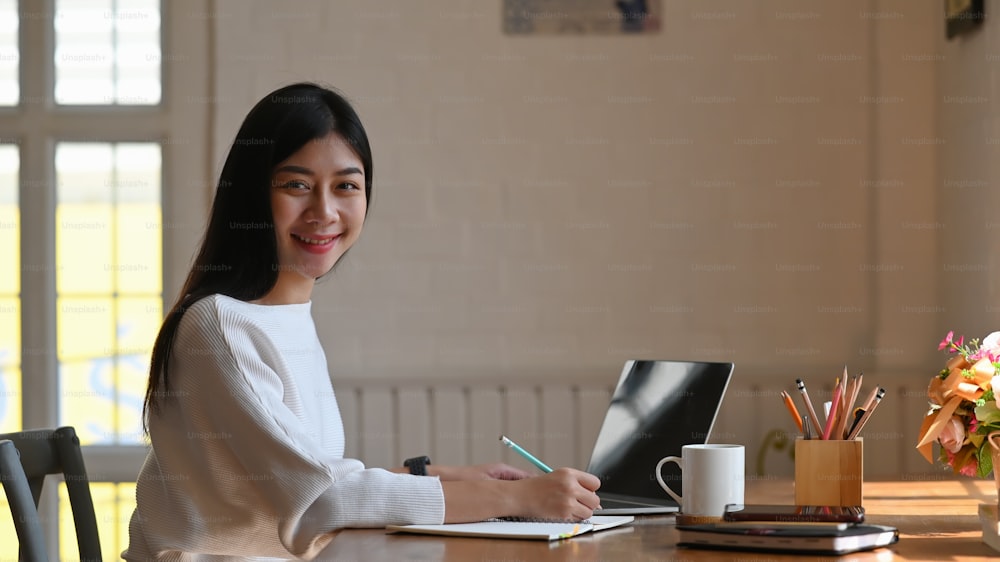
<point>659,477</point>
<point>992,438</point>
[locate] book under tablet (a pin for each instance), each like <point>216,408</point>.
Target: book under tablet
<point>787,539</point>
<point>502,529</point>
<point>657,408</point>
<point>784,524</point>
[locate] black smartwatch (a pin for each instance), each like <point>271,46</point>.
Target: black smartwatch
<point>418,465</point>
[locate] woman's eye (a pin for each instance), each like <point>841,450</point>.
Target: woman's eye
<point>348,186</point>
<point>295,184</point>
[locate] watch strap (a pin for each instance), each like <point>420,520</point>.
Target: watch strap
<point>418,465</point>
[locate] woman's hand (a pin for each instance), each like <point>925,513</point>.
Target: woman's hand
<point>564,494</point>
<point>491,471</point>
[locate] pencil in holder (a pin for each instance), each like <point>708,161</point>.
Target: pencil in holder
<point>829,472</point>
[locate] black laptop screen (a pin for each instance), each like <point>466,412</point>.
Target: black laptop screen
<point>657,407</point>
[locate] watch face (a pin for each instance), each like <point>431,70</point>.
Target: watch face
<point>418,465</point>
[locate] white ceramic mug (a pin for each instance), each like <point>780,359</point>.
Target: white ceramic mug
<point>712,476</point>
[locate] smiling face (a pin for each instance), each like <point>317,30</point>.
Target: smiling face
<point>318,204</point>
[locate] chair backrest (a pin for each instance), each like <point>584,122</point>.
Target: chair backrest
<point>57,451</point>
<point>22,506</point>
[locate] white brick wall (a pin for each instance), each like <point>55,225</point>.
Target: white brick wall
<point>547,207</point>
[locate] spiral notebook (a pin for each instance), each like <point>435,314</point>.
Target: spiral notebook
<point>505,529</point>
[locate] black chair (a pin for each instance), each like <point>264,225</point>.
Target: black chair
<point>43,452</point>
<point>22,507</point>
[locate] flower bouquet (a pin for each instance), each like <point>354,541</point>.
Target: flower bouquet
<point>963,407</point>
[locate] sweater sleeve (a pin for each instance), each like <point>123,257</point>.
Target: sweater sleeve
<point>262,457</point>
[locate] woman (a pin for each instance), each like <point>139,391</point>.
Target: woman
<point>247,442</point>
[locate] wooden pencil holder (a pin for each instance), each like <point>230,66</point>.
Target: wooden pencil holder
<point>829,472</point>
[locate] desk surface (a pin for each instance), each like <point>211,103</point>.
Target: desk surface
<point>937,520</point>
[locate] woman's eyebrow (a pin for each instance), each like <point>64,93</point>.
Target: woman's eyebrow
<point>294,169</point>
<point>350,170</point>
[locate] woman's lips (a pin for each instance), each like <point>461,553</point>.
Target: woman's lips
<point>316,244</point>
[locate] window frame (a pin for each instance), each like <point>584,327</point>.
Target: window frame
<point>180,123</point>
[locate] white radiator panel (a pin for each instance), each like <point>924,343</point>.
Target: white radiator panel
<point>460,423</point>
<point>523,425</point>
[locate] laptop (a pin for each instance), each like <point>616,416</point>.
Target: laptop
<point>657,407</point>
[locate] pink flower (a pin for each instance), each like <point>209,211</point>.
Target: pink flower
<point>946,342</point>
<point>953,435</point>
<point>973,357</point>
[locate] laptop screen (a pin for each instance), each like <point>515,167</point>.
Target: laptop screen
<point>657,407</point>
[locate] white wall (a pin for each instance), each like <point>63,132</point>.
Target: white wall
<point>750,184</point>
<point>969,133</point>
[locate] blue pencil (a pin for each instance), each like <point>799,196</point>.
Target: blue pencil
<point>531,458</point>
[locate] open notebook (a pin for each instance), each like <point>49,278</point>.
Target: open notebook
<point>503,529</point>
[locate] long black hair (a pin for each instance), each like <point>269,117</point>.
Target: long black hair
<point>239,253</point>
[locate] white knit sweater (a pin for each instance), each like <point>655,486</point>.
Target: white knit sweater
<point>247,448</point>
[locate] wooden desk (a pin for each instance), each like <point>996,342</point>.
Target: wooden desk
<point>937,520</point>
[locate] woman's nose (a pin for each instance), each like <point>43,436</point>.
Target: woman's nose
<point>323,208</point>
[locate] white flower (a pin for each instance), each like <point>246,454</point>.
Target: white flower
<point>992,342</point>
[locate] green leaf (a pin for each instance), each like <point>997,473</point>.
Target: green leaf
<point>988,413</point>
<point>977,440</point>
<point>985,457</point>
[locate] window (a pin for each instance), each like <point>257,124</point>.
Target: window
<point>107,52</point>
<point>10,322</point>
<point>108,284</point>
<point>9,58</point>
<point>10,289</point>
<point>113,503</point>
<point>90,133</point>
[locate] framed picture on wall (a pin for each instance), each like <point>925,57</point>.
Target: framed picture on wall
<point>961,16</point>
<point>581,17</point>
